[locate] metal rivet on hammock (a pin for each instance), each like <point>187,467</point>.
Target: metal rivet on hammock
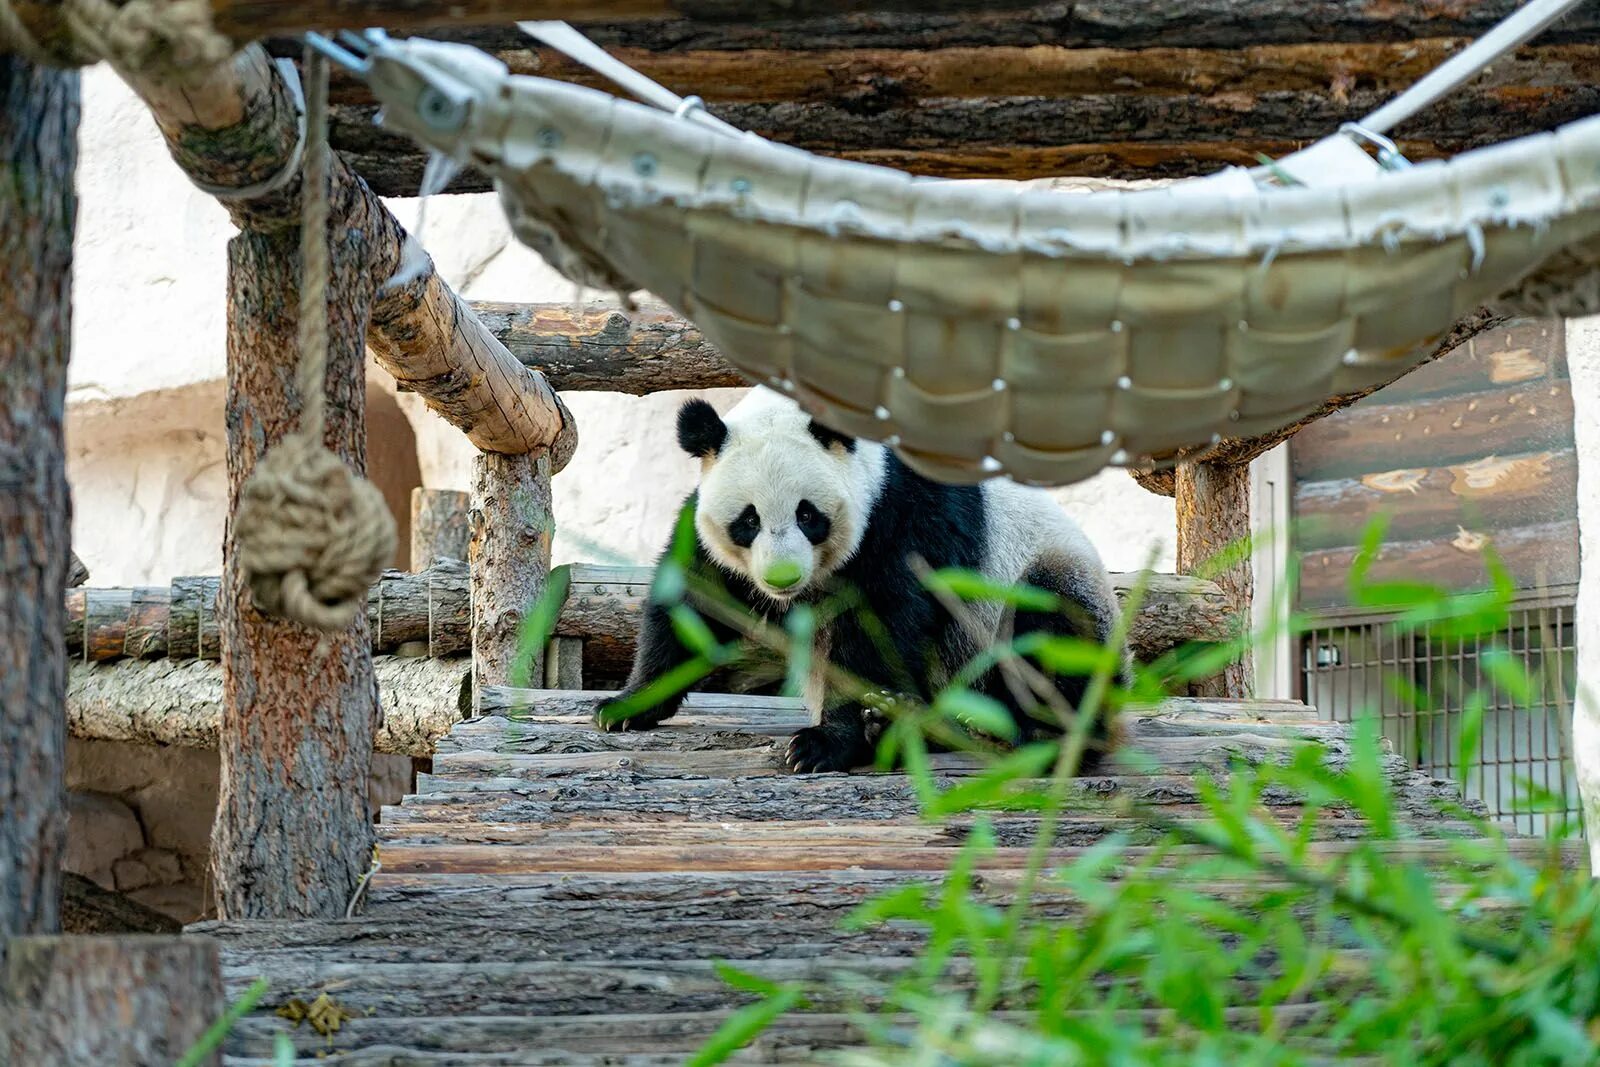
<point>441,111</point>
<point>1008,437</point>
<point>882,412</point>
<point>1225,385</point>
<point>1351,358</point>
<point>899,372</point>
<point>897,306</point>
<point>1124,382</point>
<point>1120,456</point>
<point>548,138</point>
<point>788,386</point>
<point>893,440</point>
<point>1233,416</point>
<point>1499,196</point>
<point>644,164</point>
<point>998,385</point>
<point>1244,327</point>
<point>1216,438</point>
<point>1116,325</point>
<point>741,186</point>
<point>991,464</point>
<point>1108,436</point>
<point>1013,323</point>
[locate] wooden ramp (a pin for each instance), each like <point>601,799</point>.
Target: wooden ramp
<point>557,895</point>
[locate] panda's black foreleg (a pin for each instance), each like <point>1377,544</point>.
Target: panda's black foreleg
<point>1083,618</point>
<point>837,743</point>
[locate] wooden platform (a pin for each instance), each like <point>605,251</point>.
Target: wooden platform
<point>557,895</point>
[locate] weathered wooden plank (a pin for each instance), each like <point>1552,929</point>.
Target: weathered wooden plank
<point>1493,493</point>
<point>1437,431</point>
<point>178,702</point>
<point>1536,556</point>
<point>512,713</point>
<point>1523,352</point>
<point>604,604</point>
<point>839,797</point>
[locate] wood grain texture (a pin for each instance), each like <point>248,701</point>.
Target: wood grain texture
<point>38,156</point>
<point>1213,509</point>
<point>432,606</point>
<point>236,126</point>
<point>512,525</point>
<point>438,526</point>
<point>167,702</point>
<point>109,1001</point>
<point>292,835</point>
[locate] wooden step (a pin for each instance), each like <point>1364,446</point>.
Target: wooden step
<point>604,603</point>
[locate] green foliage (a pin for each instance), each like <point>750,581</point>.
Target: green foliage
<point>1236,932</point>
<point>217,1032</point>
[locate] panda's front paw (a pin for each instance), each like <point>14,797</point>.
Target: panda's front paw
<point>617,714</point>
<point>817,750</point>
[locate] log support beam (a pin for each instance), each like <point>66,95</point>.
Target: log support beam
<point>1213,504</point>
<point>509,557</point>
<point>38,154</point>
<point>111,1001</point>
<point>438,526</point>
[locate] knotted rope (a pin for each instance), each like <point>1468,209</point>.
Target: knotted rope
<point>312,534</point>
<point>142,35</point>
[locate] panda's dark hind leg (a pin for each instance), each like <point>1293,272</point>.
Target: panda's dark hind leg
<point>1082,619</point>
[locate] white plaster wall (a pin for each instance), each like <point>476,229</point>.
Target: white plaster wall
<point>1583,362</point>
<point>145,407</point>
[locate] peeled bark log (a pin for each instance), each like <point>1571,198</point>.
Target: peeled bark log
<point>512,527</point>
<point>236,126</point>
<point>109,1001</point>
<point>438,526</point>
<point>1214,517</point>
<point>88,909</point>
<point>638,352</point>
<point>293,834</point>
<point>431,607</point>
<point>180,703</point>
<point>38,153</point>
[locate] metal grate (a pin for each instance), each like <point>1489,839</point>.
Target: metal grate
<point>1419,685</point>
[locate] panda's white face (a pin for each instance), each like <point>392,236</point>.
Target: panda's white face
<point>779,503</point>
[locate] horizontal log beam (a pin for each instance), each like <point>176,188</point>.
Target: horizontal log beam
<point>843,23</point>
<point>604,605</point>
<point>180,703</point>
<point>426,612</point>
<point>597,348</point>
<point>236,126</point>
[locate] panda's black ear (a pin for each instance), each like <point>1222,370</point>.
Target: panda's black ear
<point>826,437</point>
<point>701,430</point>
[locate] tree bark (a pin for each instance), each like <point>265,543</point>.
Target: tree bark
<point>1213,503</point>
<point>293,834</point>
<point>510,561</point>
<point>438,526</point>
<point>38,208</point>
<point>109,1001</point>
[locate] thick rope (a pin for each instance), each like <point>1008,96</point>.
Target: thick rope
<point>174,36</point>
<point>312,534</point>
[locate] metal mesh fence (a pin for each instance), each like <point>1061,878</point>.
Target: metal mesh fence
<point>1421,684</point>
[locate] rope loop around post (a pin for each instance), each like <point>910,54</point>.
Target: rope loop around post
<point>313,535</point>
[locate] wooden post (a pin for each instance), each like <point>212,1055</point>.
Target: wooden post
<point>1213,503</point>
<point>126,1001</point>
<point>292,836</point>
<point>438,526</point>
<point>563,663</point>
<point>38,153</point>
<point>509,557</point>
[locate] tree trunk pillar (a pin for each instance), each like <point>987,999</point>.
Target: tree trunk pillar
<point>509,557</point>
<point>1213,505</point>
<point>38,209</point>
<point>438,526</point>
<point>293,834</point>
<point>126,1001</point>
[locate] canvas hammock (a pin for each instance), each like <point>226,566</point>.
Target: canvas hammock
<point>986,327</point>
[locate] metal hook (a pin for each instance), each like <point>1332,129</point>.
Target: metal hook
<point>1389,154</point>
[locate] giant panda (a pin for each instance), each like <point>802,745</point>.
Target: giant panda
<point>789,511</point>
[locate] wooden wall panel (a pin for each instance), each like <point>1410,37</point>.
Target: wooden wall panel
<point>1470,454</point>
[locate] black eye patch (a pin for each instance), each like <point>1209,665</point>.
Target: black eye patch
<point>813,523</point>
<point>742,530</point>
